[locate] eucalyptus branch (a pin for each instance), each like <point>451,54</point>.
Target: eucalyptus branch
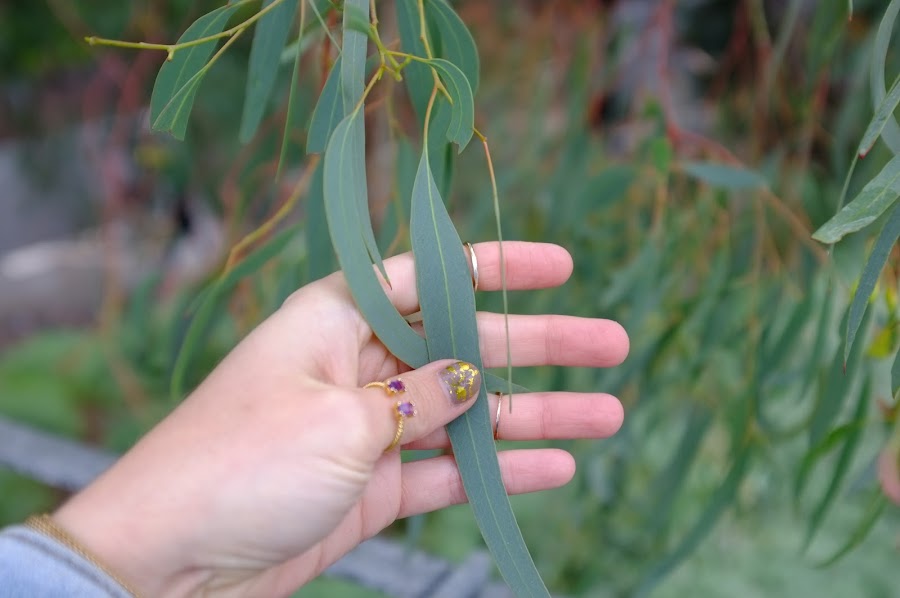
<point>375,79</point>
<point>170,49</point>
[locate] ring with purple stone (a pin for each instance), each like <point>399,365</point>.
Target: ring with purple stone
<point>402,409</point>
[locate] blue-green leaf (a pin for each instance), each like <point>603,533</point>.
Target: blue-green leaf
<point>462,113</point>
<point>873,201</point>
<point>872,514</point>
<point>870,275</point>
<point>178,79</point>
<point>328,113</point>
<point>269,38</point>
<point>212,300</point>
<point>319,254</point>
<point>345,187</point>
<point>416,75</point>
<point>456,42</point>
<point>891,131</point>
<point>353,73</point>
<point>895,374</point>
<point>723,176</point>
<point>845,459</point>
<point>883,113</point>
<point>721,499</point>
<point>448,310</point>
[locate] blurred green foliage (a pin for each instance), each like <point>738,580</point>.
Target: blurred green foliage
<point>745,438</point>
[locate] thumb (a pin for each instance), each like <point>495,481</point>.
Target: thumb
<point>414,404</point>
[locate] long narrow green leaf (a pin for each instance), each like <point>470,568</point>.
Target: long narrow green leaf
<point>269,37</point>
<point>212,300</point>
<point>353,73</point>
<point>291,116</point>
<point>344,183</point>
<point>872,514</point>
<point>891,132</point>
<point>496,384</point>
<point>456,42</point>
<point>668,485</point>
<point>870,275</point>
<point>319,254</point>
<point>724,176</point>
<point>721,499</point>
<point>416,75</point>
<point>895,374</point>
<point>843,465</point>
<point>873,201</point>
<point>462,113</point>
<point>838,384</point>
<point>815,454</point>
<point>178,80</point>
<point>328,113</point>
<point>448,309</point>
<point>883,114</point>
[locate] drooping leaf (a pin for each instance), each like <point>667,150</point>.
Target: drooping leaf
<point>319,254</point>
<point>838,383</point>
<point>344,183</point>
<point>724,176</point>
<point>178,79</point>
<point>462,112</point>
<point>870,275</point>
<point>668,484</point>
<point>883,113</point>
<point>291,118</point>
<point>873,201</point>
<point>895,374</point>
<point>448,309</point>
<point>353,72</point>
<point>891,131</point>
<point>456,42</point>
<point>416,75</point>
<point>832,440</point>
<point>212,300</point>
<point>843,464</point>
<point>721,499</point>
<point>269,38</point>
<point>328,113</point>
<point>872,514</point>
<point>356,19</point>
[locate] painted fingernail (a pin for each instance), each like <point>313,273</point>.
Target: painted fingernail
<point>462,381</point>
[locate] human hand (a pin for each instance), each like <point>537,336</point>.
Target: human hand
<point>275,467</point>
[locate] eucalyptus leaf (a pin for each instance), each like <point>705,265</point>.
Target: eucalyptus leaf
<point>723,176</point>
<point>891,131</point>
<point>883,246</point>
<point>718,503</point>
<point>356,19</point>
<point>456,41</point>
<point>269,38</point>
<point>462,113</point>
<point>871,515</point>
<point>179,78</point>
<point>344,184</point>
<point>416,75</point>
<point>328,113</point>
<point>883,113</point>
<point>319,254</point>
<point>895,374</point>
<point>845,459</point>
<point>448,309</point>
<point>875,198</point>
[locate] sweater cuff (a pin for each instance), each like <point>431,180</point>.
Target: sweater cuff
<point>35,565</point>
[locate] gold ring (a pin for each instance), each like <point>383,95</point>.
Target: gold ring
<point>474,266</point>
<point>497,417</point>
<point>402,409</point>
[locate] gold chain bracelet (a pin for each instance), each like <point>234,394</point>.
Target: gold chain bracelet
<point>47,526</point>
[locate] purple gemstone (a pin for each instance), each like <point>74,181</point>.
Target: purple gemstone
<point>406,409</point>
<point>396,386</point>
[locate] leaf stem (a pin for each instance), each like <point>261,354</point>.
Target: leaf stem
<point>170,49</point>
<point>496,199</point>
<point>375,78</point>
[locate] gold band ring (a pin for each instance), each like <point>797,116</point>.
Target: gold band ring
<point>402,409</point>
<point>497,417</point>
<point>474,261</point>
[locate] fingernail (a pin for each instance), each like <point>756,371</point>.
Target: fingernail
<point>462,381</point>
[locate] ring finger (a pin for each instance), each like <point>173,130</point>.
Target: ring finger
<point>544,416</point>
